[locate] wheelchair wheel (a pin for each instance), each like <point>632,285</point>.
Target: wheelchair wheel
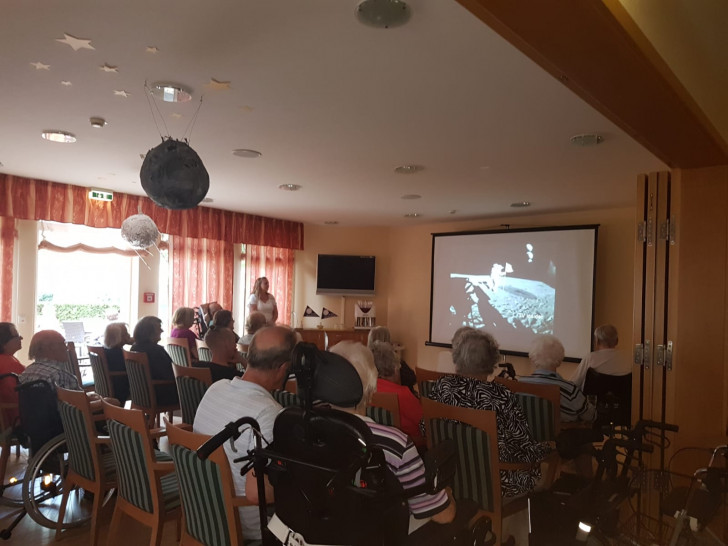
<point>43,488</point>
<point>12,489</point>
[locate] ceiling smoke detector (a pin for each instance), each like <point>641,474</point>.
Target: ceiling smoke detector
<point>587,139</point>
<point>249,154</point>
<point>383,13</point>
<point>97,123</point>
<point>408,169</point>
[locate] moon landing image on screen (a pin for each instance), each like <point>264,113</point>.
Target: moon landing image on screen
<point>502,300</point>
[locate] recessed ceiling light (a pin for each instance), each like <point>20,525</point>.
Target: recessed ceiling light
<point>289,187</point>
<point>58,136</point>
<point>412,215</point>
<point>452,211</point>
<point>520,204</point>
<point>208,200</point>
<point>97,123</point>
<point>411,196</point>
<point>383,13</point>
<point>331,222</point>
<point>408,169</point>
<point>251,154</point>
<point>587,139</point>
<point>171,92</point>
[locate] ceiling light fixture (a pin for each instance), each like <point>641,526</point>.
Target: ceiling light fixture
<point>331,222</point>
<point>587,139</point>
<point>171,92</point>
<point>412,215</point>
<point>97,123</point>
<point>383,13</point>
<point>58,136</point>
<point>249,154</point>
<point>411,196</point>
<point>520,204</point>
<point>409,169</point>
<point>289,187</point>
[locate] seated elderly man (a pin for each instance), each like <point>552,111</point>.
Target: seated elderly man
<point>50,361</point>
<point>546,355</point>
<point>269,359</point>
<point>605,358</point>
<point>399,450</point>
<point>221,342</point>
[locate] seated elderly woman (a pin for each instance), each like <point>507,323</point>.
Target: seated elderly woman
<point>546,355</point>
<point>475,355</point>
<point>399,451</point>
<point>182,321</point>
<point>410,410</point>
<point>406,374</point>
<point>147,333</point>
<point>115,337</point>
<point>256,320</point>
<point>224,319</point>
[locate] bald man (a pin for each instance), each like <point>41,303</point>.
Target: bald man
<point>50,361</point>
<point>269,359</point>
<point>221,342</point>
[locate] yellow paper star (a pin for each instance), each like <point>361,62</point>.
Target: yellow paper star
<point>40,66</point>
<point>75,43</point>
<point>216,85</point>
<point>152,49</point>
<point>108,68</point>
<point>121,93</point>
<point>66,83</point>
<point>175,115</point>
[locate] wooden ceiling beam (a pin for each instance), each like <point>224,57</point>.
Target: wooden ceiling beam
<point>595,48</point>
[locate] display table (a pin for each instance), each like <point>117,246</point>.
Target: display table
<point>325,338</point>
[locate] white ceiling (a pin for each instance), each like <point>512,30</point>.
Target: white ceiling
<point>331,104</point>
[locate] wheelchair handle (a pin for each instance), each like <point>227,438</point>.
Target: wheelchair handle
<point>231,430</point>
<point>657,424</point>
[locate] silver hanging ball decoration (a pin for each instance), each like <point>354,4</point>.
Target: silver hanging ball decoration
<point>173,175</point>
<point>139,231</point>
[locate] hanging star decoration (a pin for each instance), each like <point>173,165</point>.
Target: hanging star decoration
<point>106,67</point>
<point>325,313</point>
<point>75,43</point>
<point>175,115</point>
<point>309,312</point>
<point>40,66</point>
<point>153,50</point>
<point>121,93</point>
<point>66,83</point>
<point>246,109</point>
<point>216,85</point>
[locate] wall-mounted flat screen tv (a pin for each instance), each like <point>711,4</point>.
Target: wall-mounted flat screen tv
<point>515,284</point>
<point>339,275</point>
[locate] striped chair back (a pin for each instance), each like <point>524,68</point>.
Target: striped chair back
<point>179,351</point>
<point>80,457</point>
<point>425,388</point>
<point>384,409</point>
<point>286,399</point>
<point>381,416</point>
<point>477,475</point>
<point>205,353</point>
<point>102,381</point>
<point>539,413</point>
<point>207,488</point>
<point>190,391</point>
<point>140,380</point>
<point>134,484</point>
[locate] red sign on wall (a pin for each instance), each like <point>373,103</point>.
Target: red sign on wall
<point>148,297</point>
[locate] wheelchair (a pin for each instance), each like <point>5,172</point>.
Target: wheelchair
<point>37,489</point>
<point>331,482</point>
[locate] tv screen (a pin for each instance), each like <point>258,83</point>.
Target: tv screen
<point>515,284</point>
<point>338,275</point>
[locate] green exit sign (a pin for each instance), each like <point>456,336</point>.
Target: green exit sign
<point>101,195</point>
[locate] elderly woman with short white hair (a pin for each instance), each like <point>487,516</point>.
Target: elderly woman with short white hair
<point>546,355</point>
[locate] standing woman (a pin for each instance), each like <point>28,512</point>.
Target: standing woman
<point>182,321</point>
<point>261,300</point>
<point>10,343</point>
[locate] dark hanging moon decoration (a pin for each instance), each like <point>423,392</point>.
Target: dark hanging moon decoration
<point>173,175</point>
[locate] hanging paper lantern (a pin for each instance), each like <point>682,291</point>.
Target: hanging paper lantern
<point>173,175</point>
<point>139,231</point>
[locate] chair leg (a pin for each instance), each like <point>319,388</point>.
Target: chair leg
<point>67,486</point>
<point>115,521</point>
<point>4,456</point>
<point>95,512</point>
<point>157,529</point>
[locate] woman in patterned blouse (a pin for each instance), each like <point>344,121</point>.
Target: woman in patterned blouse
<point>475,354</point>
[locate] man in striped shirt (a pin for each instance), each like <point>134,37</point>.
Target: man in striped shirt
<point>546,355</point>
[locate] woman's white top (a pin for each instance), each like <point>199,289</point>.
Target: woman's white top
<point>265,307</point>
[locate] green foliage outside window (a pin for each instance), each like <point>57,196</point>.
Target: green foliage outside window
<point>72,311</point>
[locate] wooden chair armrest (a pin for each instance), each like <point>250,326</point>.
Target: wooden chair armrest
<point>184,426</point>
<point>102,440</point>
<point>157,432</point>
<point>163,468</point>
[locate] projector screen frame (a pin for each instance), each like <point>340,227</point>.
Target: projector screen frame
<point>504,230</point>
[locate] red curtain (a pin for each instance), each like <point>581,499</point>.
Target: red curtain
<point>277,265</point>
<point>202,271</point>
<point>30,199</point>
<point>7,249</point>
